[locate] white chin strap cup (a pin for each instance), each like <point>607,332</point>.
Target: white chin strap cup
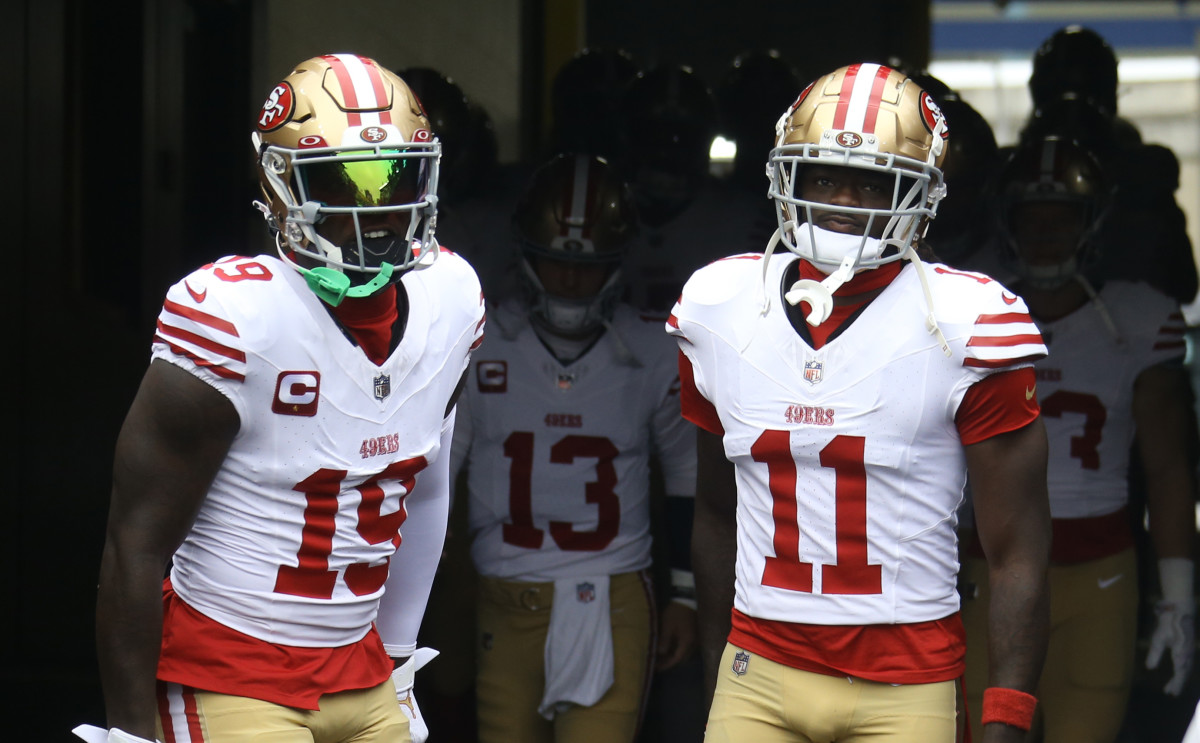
<point>819,294</point>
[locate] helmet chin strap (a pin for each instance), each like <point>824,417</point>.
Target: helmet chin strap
<point>334,286</point>
<point>819,294</point>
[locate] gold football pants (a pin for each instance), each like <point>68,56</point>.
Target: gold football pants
<point>513,622</point>
<point>766,702</point>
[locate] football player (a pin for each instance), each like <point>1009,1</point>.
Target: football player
<point>567,402</point>
<point>845,389</point>
<point>289,434</point>
<point>1113,371</point>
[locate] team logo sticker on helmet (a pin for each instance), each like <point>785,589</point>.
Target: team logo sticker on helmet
<point>277,110</point>
<point>373,134</point>
<point>849,140</point>
<point>803,94</point>
<point>931,115</point>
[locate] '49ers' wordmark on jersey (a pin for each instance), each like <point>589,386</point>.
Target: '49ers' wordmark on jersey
<point>575,441</point>
<point>292,543</point>
<point>848,480</point>
<point>1086,390</point>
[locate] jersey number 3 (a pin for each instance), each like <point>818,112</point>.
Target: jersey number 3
<point>851,574</point>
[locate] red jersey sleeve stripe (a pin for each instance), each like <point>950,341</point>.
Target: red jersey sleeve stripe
<point>986,341</point>
<point>1000,363</point>
<point>1169,345</point>
<point>1003,318</point>
<point>170,331</point>
<point>217,369</point>
<point>201,318</point>
<point>673,322</point>
<point>695,407</point>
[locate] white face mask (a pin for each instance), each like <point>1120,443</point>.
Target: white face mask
<point>828,250</point>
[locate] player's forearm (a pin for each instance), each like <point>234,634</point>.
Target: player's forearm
<point>1170,499</point>
<point>714,550</point>
<point>128,638</point>
<point>1018,624</point>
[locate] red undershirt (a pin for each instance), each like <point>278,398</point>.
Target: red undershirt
<point>370,320</point>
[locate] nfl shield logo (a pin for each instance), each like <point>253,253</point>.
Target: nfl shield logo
<point>585,593</point>
<point>812,371</point>
<point>383,386</point>
<point>741,662</point>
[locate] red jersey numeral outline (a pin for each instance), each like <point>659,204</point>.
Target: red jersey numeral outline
<point>851,574</point>
<point>311,576</point>
<point>521,532</point>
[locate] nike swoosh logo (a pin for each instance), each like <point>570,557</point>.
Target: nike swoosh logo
<point>1029,392</point>
<point>1106,582</point>
<point>198,296</point>
<point>1008,298</point>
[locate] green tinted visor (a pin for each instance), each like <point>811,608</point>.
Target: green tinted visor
<point>391,178</point>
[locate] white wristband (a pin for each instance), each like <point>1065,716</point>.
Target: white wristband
<point>1175,577</point>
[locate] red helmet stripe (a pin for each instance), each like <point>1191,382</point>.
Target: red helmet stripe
<point>568,202</point>
<point>872,113</point>
<point>380,88</point>
<point>593,186</point>
<point>338,65</point>
<point>839,116</point>
<point>1049,165</point>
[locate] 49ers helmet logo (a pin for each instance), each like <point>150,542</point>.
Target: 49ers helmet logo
<point>278,108</point>
<point>849,140</point>
<point>373,134</point>
<point>931,115</point>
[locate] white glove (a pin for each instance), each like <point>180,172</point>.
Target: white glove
<point>1175,629</point>
<point>402,677</point>
<point>93,734</point>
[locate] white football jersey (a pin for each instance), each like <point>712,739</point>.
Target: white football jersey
<point>558,455</point>
<point>1085,388</point>
<point>849,465</point>
<point>292,543</point>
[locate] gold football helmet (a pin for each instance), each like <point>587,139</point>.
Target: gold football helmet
<point>349,170</point>
<point>575,210</point>
<point>1048,245</point>
<point>864,116</point>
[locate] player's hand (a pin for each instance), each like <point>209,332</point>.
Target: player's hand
<point>677,636</point>
<point>93,734</point>
<point>1175,631</point>
<point>403,677</point>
